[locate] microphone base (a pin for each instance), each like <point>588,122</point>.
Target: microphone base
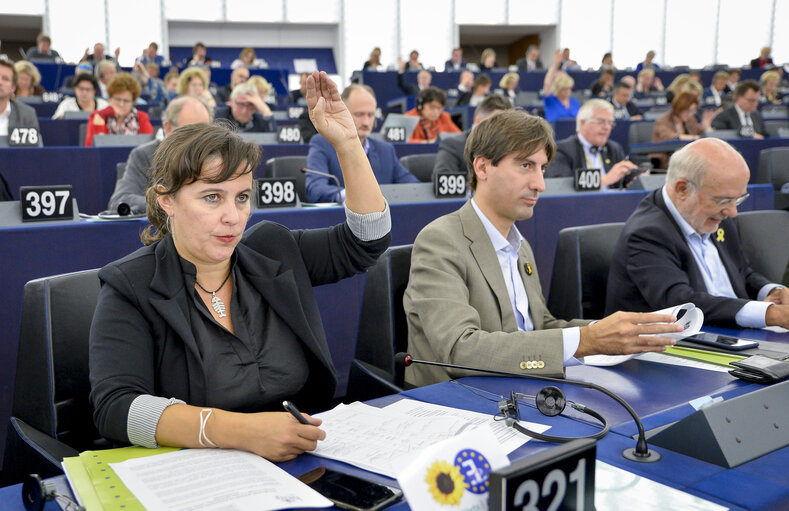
<point>651,457</point>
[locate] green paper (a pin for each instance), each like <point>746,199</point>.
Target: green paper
<point>80,483</point>
<point>710,357</point>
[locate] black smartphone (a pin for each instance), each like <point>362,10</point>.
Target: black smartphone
<point>350,492</point>
<point>722,341</point>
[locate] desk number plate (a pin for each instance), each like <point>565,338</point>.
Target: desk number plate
<point>587,180</point>
<point>24,137</point>
<point>288,135</point>
<point>450,185</point>
<point>40,203</point>
<point>395,134</point>
<point>560,478</point>
<point>276,192</point>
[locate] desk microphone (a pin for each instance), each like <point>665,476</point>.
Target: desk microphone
<point>640,453</point>
<point>305,170</point>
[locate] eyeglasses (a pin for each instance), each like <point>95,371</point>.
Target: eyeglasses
<point>722,201</point>
<point>246,106</point>
<point>605,122</point>
<point>122,101</point>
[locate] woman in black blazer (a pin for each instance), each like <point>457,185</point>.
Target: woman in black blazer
<point>199,336</point>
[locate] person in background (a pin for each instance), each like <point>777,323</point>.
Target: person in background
<point>152,87</point>
<point>569,64</point>
<point>648,83</point>
<point>13,114</point>
<point>624,107</point>
<point>679,123</point>
<point>150,55</point>
<point>211,87</point>
<point>487,61</point>
<point>120,117</point>
<point>171,83</point>
<point>160,373</point>
<point>764,59</point>
<point>243,110</point>
<point>99,55</point>
<point>604,85</point>
<point>374,63</point>
<point>299,96</point>
<point>648,63</point>
<point>42,51</point>
<point>86,88</point>
<point>28,80</point>
<point>193,82</point>
<point>423,80</point>
<point>248,59</point>
<point>733,81</point>
<point>531,61</point>
<point>607,64</point>
<point>433,120</point>
<point>714,94</point>
<point>199,57</point>
<point>509,86</point>
<point>413,63</point>
<point>556,89</point>
<point>265,91</point>
<point>770,93</point>
<point>465,82</point>
<point>238,76</point>
<point>744,112</point>
<point>481,89</point>
<point>105,72</point>
<point>456,63</point>
<point>683,82</point>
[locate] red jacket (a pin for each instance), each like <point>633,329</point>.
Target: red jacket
<point>428,131</point>
<point>142,119</point>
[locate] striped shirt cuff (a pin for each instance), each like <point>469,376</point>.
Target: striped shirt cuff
<point>144,414</point>
<point>369,227</point>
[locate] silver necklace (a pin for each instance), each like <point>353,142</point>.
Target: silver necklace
<point>216,303</point>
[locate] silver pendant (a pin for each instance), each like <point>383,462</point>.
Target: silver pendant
<point>218,305</point>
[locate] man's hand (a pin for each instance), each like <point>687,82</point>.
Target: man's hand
<point>777,315</point>
<point>117,52</point>
<point>779,295</point>
<point>624,333</point>
<point>328,113</point>
<point>617,172</point>
<point>140,70</point>
<point>557,59</point>
<point>758,136</point>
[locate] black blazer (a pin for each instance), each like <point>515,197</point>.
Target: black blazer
<point>653,268</point>
<point>141,341</point>
<point>729,120</point>
<point>570,156</point>
<point>450,153</point>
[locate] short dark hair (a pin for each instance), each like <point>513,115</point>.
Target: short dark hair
<point>154,45</point>
<point>43,37</point>
<point>746,85</point>
<point>606,72</point>
<point>86,77</point>
<point>482,79</point>
<point>10,65</point>
<point>199,45</point>
<point>512,131</point>
<point>179,161</point>
<point>429,95</point>
<point>621,85</point>
<point>491,104</point>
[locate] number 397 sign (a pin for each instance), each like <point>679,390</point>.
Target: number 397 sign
<point>46,203</point>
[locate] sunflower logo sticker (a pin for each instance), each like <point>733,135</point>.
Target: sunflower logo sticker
<point>445,483</point>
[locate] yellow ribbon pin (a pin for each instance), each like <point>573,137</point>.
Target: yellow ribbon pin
<point>528,269</point>
<point>720,235</point>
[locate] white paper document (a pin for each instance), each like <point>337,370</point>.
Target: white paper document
<point>688,315</point>
<point>197,479</point>
<point>384,440</point>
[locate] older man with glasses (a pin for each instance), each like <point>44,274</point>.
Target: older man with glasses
<point>244,112</point>
<point>590,148</point>
<point>681,245</point>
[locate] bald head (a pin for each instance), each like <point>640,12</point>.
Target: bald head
<point>184,111</point>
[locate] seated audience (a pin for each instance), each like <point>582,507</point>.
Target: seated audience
<point>433,120</point>
<point>624,108</point>
<point>374,63</point>
<point>171,83</point>
<point>733,81</point>
<point>681,245</point>
<point>152,87</point>
<point>194,343</point>
<point>13,114</point>
<point>475,96</point>
<point>211,87</point>
<point>487,61</point>
<point>648,63</point>
<point>193,82</point>
<point>42,51</point>
<point>647,84</point>
<point>199,57</point>
<point>465,82</point>
<point>743,113</point>
<point>299,96</point>
<point>450,149</point>
<point>244,110</point>
<point>248,59</point>
<point>473,295</point>
<point>603,86</point>
<point>266,93</point>
<point>28,80</point>
<point>456,62</point>
<point>99,55</point>
<point>764,60</point>
<point>607,64</point>
<point>509,86</point>
<point>770,93</point>
<point>557,88</point>
<point>150,55</point>
<point>82,67</point>
<point>105,72</point>
<point>120,117</point>
<point>530,62</point>
<point>679,123</point>
<point>423,80</point>
<point>592,148</point>
<point>569,64</point>
<point>130,188</point>
<point>714,94</point>
<point>238,76</point>
<point>413,63</point>
<point>86,88</point>
<point>683,82</point>
<point>361,104</point>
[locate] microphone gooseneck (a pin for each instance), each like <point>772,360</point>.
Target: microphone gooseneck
<point>640,453</point>
<point>332,177</point>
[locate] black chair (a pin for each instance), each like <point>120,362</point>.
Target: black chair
<point>580,270</point>
<point>773,125</point>
<point>420,165</point>
<point>52,417</point>
<point>383,330</point>
<point>640,132</point>
<point>764,239</point>
<point>774,169</point>
<point>289,166</point>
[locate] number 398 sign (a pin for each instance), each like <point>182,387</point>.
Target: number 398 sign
<point>276,192</point>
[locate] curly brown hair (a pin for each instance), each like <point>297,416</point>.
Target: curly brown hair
<point>124,82</point>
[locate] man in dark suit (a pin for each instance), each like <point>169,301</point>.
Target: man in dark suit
<point>423,81</point>
<point>743,114</point>
<point>681,245</point>
<point>450,149</point>
<point>456,63</point>
<point>624,107</point>
<point>714,94</point>
<point>590,147</point>
<point>13,114</point>
<point>531,62</point>
<point>360,100</point>
<point>244,110</point>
